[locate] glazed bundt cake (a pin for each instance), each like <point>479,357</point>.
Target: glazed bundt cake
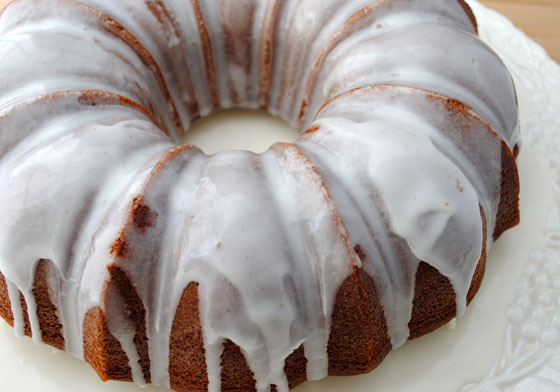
<point>156,263</point>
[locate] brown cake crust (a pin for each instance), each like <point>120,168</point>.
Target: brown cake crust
<point>102,350</point>
<point>134,309</point>
<point>5,303</point>
<point>508,209</point>
<point>187,356</point>
<point>470,13</point>
<point>358,340</point>
<point>236,374</point>
<point>47,312</point>
<point>208,54</point>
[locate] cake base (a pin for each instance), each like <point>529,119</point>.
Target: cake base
<point>454,355</point>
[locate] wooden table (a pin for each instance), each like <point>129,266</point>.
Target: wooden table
<point>539,19</point>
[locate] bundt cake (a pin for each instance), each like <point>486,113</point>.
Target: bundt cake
<point>156,263</point>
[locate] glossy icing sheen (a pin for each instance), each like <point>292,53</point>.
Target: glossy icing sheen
<point>271,237</point>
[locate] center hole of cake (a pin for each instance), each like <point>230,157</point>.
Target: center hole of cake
<point>238,129</point>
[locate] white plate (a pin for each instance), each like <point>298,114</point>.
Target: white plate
<point>509,340</point>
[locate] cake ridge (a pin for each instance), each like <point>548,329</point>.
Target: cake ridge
<point>357,19</point>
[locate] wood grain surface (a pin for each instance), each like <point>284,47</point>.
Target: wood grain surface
<point>539,19</point>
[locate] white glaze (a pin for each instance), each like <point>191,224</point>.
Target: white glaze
<point>212,210</point>
<point>407,136</point>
